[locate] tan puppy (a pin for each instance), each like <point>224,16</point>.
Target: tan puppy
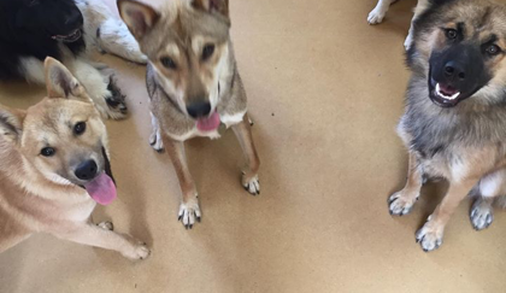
<point>55,168</point>
<point>193,83</point>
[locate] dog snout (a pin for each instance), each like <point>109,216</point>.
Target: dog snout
<point>87,170</point>
<point>75,19</point>
<point>454,71</point>
<point>199,109</point>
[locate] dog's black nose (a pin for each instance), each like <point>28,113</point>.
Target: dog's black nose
<point>200,109</point>
<point>87,170</point>
<point>74,19</point>
<point>454,71</point>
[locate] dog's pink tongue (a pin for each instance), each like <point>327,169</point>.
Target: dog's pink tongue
<point>102,189</point>
<point>209,123</point>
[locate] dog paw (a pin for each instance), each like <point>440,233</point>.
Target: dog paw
<point>155,140</point>
<point>106,225</point>
<point>400,205</point>
<point>251,183</point>
<point>482,215</point>
<point>430,237</point>
<point>117,108</point>
<point>189,213</point>
<point>139,251</point>
<point>376,16</point>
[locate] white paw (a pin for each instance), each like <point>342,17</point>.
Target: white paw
<point>155,140</point>
<point>482,215</point>
<point>189,213</point>
<point>106,225</point>
<point>400,205</point>
<point>138,252</point>
<point>252,185</point>
<point>376,16</point>
<point>429,237</point>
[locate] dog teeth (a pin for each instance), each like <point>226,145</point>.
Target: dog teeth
<point>453,97</point>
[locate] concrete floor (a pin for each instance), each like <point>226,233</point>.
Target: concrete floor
<point>326,91</point>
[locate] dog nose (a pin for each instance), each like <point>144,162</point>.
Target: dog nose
<point>452,70</point>
<point>200,109</point>
<point>87,170</point>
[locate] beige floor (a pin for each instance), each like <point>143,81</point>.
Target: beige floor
<point>326,91</point>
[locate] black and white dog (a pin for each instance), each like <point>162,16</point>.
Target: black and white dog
<point>68,30</point>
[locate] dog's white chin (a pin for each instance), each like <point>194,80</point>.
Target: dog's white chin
<point>442,95</point>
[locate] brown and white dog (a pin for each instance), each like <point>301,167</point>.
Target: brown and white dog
<point>193,83</point>
<point>55,169</point>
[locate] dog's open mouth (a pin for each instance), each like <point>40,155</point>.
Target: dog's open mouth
<point>102,189</point>
<point>72,37</point>
<point>444,95</point>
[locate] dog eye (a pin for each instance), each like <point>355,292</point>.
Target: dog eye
<point>493,50</point>
<point>79,128</point>
<point>451,34</point>
<point>168,62</point>
<point>48,152</point>
<point>207,52</point>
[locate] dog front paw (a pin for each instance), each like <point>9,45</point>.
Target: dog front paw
<point>155,140</point>
<point>430,236</point>
<point>482,214</point>
<point>251,183</point>
<point>117,108</point>
<point>376,16</point>
<point>189,212</point>
<point>139,251</point>
<point>400,204</point>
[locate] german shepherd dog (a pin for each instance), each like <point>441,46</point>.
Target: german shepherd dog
<point>31,30</point>
<point>193,83</point>
<point>55,169</point>
<point>455,120</point>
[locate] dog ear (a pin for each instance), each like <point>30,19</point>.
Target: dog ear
<point>11,123</point>
<point>60,83</point>
<point>139,17</point>
<point>213,6</point>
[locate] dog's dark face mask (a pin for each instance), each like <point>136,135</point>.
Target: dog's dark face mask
<point>60,20</point>
<point>461,67</point>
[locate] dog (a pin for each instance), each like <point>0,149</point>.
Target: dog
<point>68,30</point>
<point>455,120</point>
<point>378,13</point>
<point>193,84</point>
<point>55,169</point>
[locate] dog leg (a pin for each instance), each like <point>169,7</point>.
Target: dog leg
<point>430,236</point>
<point>250,176</point>
<point>489,188</point>
<point>378,13</point>
<point>189,210</point>
<point>401,202</point>
<point>155,139</point>
<point>101,236</point>
<point>102,89</point>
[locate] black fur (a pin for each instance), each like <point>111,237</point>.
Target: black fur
<point>27,28</point>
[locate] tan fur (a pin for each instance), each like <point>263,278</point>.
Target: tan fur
<point>181,32</point>
<point>36,192</point>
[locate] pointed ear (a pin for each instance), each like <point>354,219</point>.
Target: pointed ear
<point>213,6</point>
<point>11,124</point>
<point>60,83</point>
<point>140,18</point>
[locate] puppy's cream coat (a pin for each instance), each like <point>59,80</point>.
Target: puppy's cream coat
<point>55,168</point>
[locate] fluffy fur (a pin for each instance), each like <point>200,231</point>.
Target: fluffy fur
<point>462,139</point>
<point>43,193</point>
